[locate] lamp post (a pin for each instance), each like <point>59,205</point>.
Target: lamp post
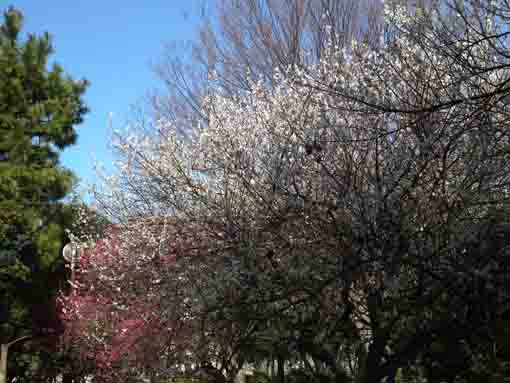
<point>4,349</point>
<point>70,254</point>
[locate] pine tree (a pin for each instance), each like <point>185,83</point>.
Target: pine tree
<point>39,107</point>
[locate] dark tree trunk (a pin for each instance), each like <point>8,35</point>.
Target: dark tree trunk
<point>280,374</point>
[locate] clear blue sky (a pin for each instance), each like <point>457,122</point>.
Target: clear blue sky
<point>112,43</point>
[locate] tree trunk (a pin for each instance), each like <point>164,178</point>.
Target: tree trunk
<point>280,374</point>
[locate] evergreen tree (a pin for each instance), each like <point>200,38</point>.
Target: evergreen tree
<point>39,108</point>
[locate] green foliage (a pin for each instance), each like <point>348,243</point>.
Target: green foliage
<point>182,380</point>
<point>406,375</point>
<point>258,377</point>
<point>39,107</point>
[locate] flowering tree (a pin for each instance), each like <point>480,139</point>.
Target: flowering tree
<point>352,217</point>
<point>113,314</point>
<point>256,37</point>
<point>110,313</point>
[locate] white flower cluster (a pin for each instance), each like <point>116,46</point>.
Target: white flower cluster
<point>399,127</point>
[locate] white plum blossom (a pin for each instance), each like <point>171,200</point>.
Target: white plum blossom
<point>355,175</point>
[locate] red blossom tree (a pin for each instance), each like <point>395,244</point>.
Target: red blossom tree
<point>112,314</point>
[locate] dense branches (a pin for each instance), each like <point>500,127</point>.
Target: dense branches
<point>347,214</point>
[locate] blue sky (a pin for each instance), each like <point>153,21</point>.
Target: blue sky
<point>112,43</point>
